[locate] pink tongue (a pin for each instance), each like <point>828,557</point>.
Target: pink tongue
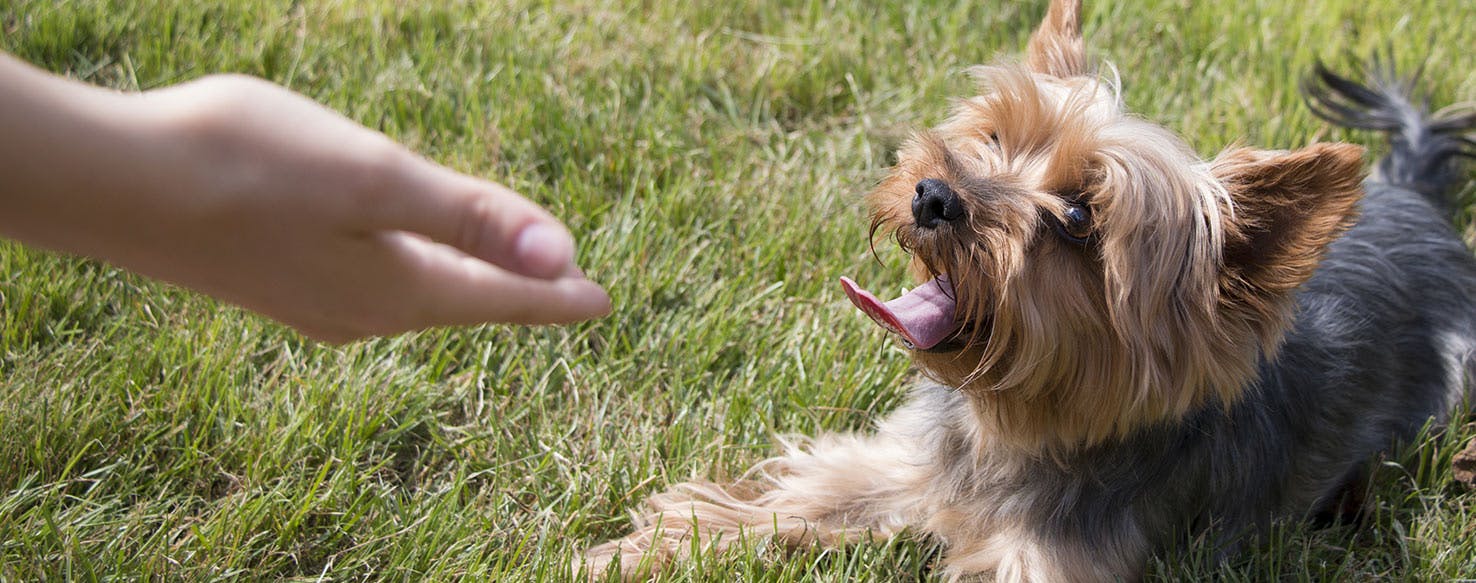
<point>924,316</point>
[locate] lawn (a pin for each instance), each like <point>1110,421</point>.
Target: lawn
<point>711,161</point>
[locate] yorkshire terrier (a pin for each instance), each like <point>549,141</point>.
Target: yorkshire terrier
<point>1127,347</point>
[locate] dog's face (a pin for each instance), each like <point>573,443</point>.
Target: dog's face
<point>1083,272</point>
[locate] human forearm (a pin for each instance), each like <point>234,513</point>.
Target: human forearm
<point>78,160</point>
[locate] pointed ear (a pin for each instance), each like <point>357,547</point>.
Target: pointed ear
<point>1288,206</point>
<point>1057,48</point>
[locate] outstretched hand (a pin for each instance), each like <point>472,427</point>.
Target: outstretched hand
<point>246,191</point>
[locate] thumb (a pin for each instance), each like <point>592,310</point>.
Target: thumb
<point>483,219</point>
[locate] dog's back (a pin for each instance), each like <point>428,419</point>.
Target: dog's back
<point>1384,332</point>
<point>1402,267</point>
<point>1381,343</point>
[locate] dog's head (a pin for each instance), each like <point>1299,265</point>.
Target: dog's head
<point>1082,271</point>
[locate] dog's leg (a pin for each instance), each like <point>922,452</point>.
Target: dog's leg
<point>833,490</point>
<point>1023,554</point>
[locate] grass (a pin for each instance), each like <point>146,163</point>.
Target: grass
<point>710,159</point>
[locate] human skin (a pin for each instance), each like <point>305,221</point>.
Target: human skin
<point>248,192</point>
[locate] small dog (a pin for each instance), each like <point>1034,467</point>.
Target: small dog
<point>1129,347</point>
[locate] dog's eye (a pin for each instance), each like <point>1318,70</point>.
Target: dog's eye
<point>1075,224</point>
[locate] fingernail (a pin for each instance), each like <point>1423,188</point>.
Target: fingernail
<point>544,251</point>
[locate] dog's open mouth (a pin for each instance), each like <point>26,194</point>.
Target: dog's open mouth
<point>925,317</point>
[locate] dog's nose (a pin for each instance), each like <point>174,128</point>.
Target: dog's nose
<point>935,204</point>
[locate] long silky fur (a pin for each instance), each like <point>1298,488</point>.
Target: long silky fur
<point>1236,339</point>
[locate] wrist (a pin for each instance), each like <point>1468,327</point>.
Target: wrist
<point>75,161</point>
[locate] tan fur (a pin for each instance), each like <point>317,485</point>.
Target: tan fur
<point>1144,326</point>
<point>834,490</point>
<point>1057,47</point>
<point>1186,283</point>
<point>1289,206</point>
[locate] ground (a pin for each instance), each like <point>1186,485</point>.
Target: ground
<point>710,160</point>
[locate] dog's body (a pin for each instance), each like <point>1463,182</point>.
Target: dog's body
<point>1167,365</point>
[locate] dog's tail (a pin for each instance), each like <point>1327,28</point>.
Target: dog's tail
<point>1425,148</point>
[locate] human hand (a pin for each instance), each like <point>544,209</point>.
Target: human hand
<point>248,192</point>
<point>302,215</point>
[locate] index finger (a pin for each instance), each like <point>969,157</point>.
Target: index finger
<point>447,287</point>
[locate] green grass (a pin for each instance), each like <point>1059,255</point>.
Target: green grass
<point>710,161</point>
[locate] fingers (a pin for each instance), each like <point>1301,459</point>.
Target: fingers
<point>482,219</point>
<point>454,289</point>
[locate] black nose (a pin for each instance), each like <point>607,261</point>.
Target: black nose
<point>935,204</point>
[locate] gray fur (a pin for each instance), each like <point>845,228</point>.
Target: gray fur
<point>1381,344</point>
<point>1424,153</point>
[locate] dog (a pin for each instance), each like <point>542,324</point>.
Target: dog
<point>1126,347</point>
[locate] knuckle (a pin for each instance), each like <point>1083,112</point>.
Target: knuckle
<point>375,175</point>
<point>473,234</point>
<point>235,85</point>
<point>222,98</point>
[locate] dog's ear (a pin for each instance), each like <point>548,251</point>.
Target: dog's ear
<point>1057,48</point>
<point>1287,207</point>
